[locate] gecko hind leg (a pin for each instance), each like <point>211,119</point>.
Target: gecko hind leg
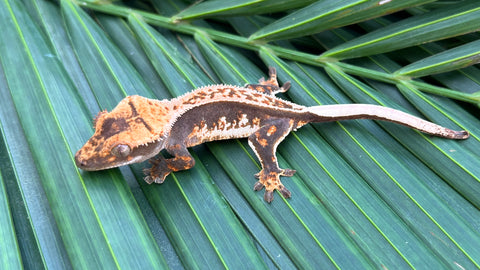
<point>162,167</point>
<point>264,143</point>
<point>270,86</point>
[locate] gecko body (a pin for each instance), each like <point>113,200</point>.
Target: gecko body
<point>139,128</point>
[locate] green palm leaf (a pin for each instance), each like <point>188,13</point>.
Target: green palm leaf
<point>456,58</point>
<point>440,24</point>
<point>328,15</point>
<point>245,7</point>
<point>366,194</point>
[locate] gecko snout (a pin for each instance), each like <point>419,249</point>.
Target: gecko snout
<point>81,162</point>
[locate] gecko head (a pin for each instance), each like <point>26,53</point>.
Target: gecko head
<point>132,132</point>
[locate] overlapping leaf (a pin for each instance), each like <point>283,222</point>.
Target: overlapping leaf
<point>328,15</point>
<point>459,57</point>
<point>10,255</point>
<point>217,8</point>
<point>365,195</point>
<point>438,24</point>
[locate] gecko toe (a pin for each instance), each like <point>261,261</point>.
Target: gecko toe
<point>159,180</point>
<point>148,179</point>
<point>272,72</point>
<point>285,87</point>
<point>268,196</point>
<point>258,186</point>
<point>285,192</point>
<point>288,172</point>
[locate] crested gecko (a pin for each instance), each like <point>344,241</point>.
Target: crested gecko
<point>138,128</point>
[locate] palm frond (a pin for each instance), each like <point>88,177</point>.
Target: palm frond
<point>366,194</point>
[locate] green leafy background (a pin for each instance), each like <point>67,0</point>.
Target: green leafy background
<point>366,194</point>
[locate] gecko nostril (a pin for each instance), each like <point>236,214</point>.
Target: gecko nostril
<point>80,163</point>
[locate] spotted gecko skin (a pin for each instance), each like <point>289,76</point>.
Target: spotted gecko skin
<point>139,128</point>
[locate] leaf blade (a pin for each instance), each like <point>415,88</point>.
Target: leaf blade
<point>431,26</point>
<point>453,59</point>
<point>328,15</point>
<point>217,8</point>
<point>10,257</point>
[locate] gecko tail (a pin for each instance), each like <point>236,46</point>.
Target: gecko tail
<point>337,112</point>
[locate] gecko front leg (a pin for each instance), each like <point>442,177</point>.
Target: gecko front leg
<point>264,143</point>
<point>162,167</point>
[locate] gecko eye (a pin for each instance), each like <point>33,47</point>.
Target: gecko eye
<point>121,150</point>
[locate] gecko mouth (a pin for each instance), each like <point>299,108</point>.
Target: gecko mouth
<point>85,164</point>
<point>96,163</point>
<point>80,163</point>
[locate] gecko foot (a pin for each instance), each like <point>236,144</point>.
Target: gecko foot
<point>272,80</point>
<point>270,86</point>
<point>271,181</point>
<point>158,172</point>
